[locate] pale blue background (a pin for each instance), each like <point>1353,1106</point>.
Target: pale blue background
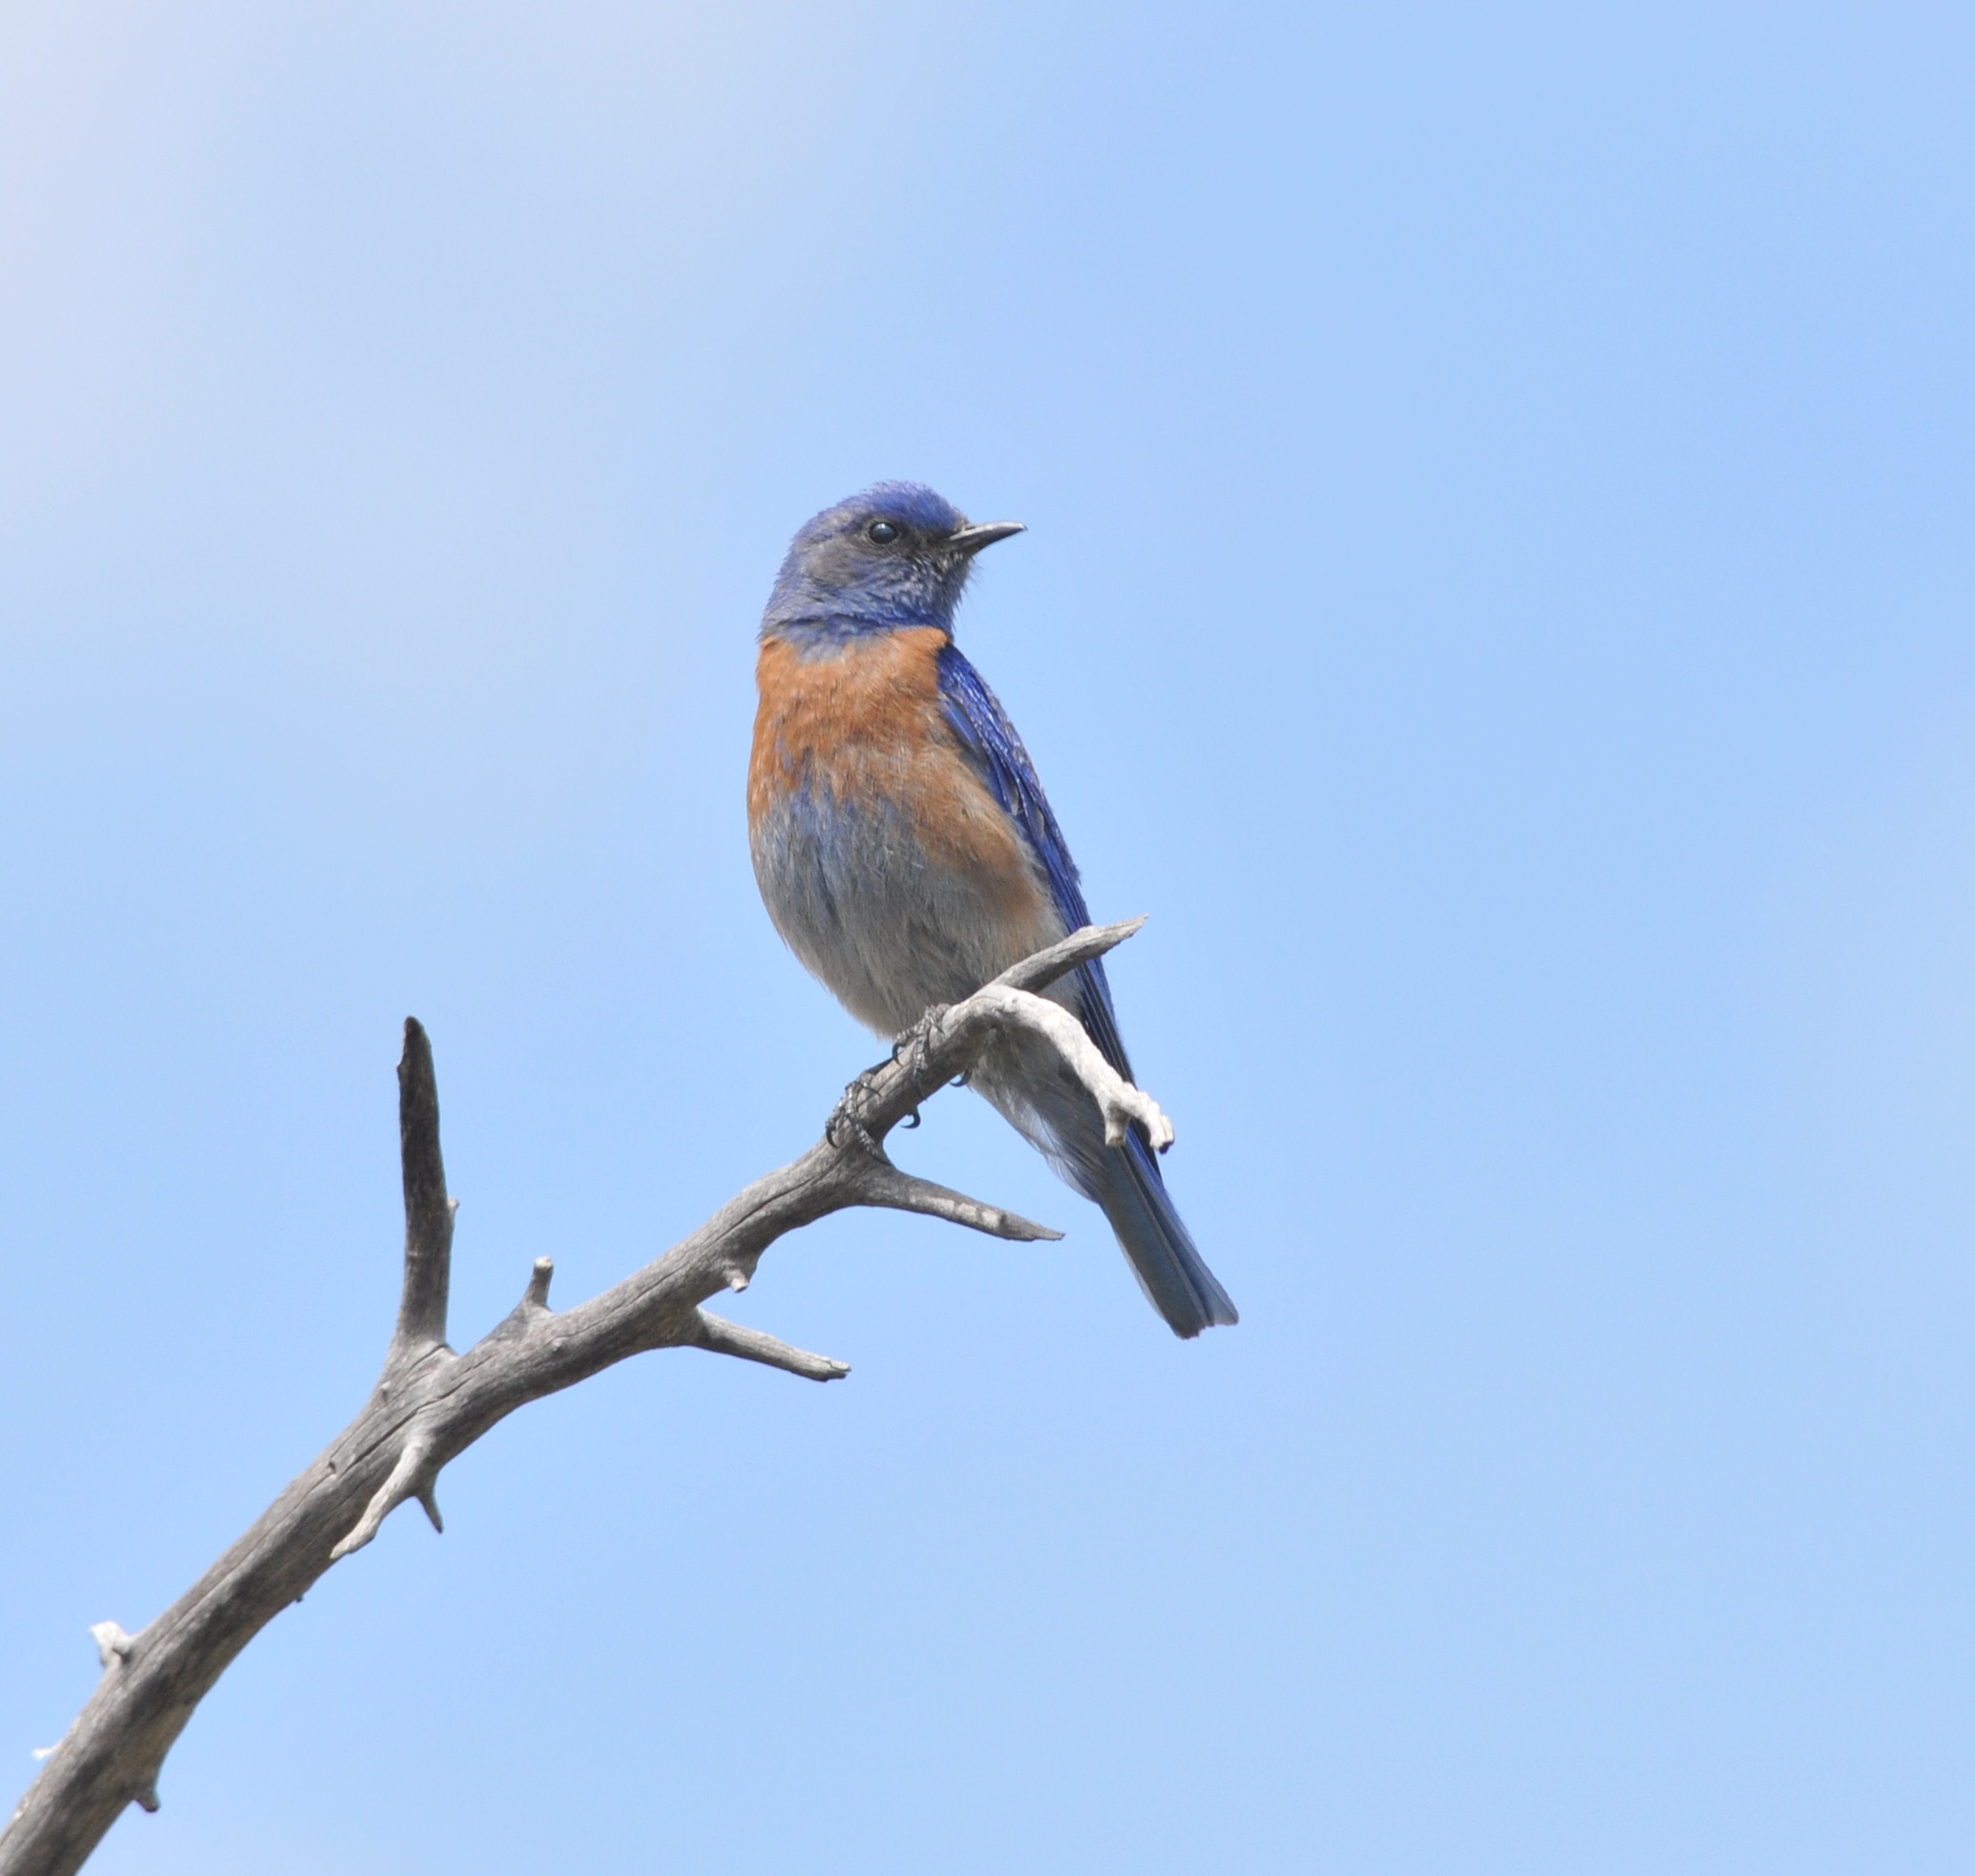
<point>1498,595</point>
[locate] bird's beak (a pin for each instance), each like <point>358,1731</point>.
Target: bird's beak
<point>970,540</point>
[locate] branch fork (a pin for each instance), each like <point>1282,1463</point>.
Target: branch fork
<point>431,1403</point>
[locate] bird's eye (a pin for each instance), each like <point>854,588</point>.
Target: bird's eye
<point>884,533</point>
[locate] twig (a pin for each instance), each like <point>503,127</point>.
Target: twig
<point>427,1212</point>
<point>430,1404</point>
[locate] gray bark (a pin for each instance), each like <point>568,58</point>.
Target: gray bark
<point>430,1404</point>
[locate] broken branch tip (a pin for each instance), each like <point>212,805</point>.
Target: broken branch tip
<point>112,1643</point>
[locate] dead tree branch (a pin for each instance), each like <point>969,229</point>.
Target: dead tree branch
<point>430,1404</point>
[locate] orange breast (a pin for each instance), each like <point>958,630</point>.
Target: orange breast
<point>867,724</point>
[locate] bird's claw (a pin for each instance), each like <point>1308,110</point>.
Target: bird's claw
<point>847,1115</point>
<point>912,1050</point>
<point>913,1047</point>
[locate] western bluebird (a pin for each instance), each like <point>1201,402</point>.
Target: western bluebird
<point>907,854</point>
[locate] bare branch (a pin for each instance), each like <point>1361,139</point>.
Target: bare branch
<point>428,1211</point>
<point>946,1043</point>
<point>1121,1104</point>
<point>409,1478</point>
<point>723,1337</point>
<point>883,1184</point>
<point>113,1645</point>
<point>430,1404</point>
<point>1084,946</point>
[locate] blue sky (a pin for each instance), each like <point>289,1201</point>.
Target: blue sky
<point>1496,596</point>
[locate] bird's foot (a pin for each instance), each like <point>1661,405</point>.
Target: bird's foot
<point>847,1118</point>
<point>913,1050</point>
<point>912,1047</point>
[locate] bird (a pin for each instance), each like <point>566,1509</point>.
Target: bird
<point>907,854</point>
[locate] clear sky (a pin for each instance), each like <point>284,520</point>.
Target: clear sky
<point>1497,596</point>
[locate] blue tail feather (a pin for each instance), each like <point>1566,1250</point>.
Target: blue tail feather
<point>1055,1113</point>
<point>1164,1257</point>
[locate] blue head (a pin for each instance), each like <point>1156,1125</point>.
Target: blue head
<point>896,555</point>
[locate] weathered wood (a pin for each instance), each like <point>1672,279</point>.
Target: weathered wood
<point>428,1211</point>
<point>430,1404</point>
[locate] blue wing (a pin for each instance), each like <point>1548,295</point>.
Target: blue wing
<point>1128,1185</point>
<point>992,744</point>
